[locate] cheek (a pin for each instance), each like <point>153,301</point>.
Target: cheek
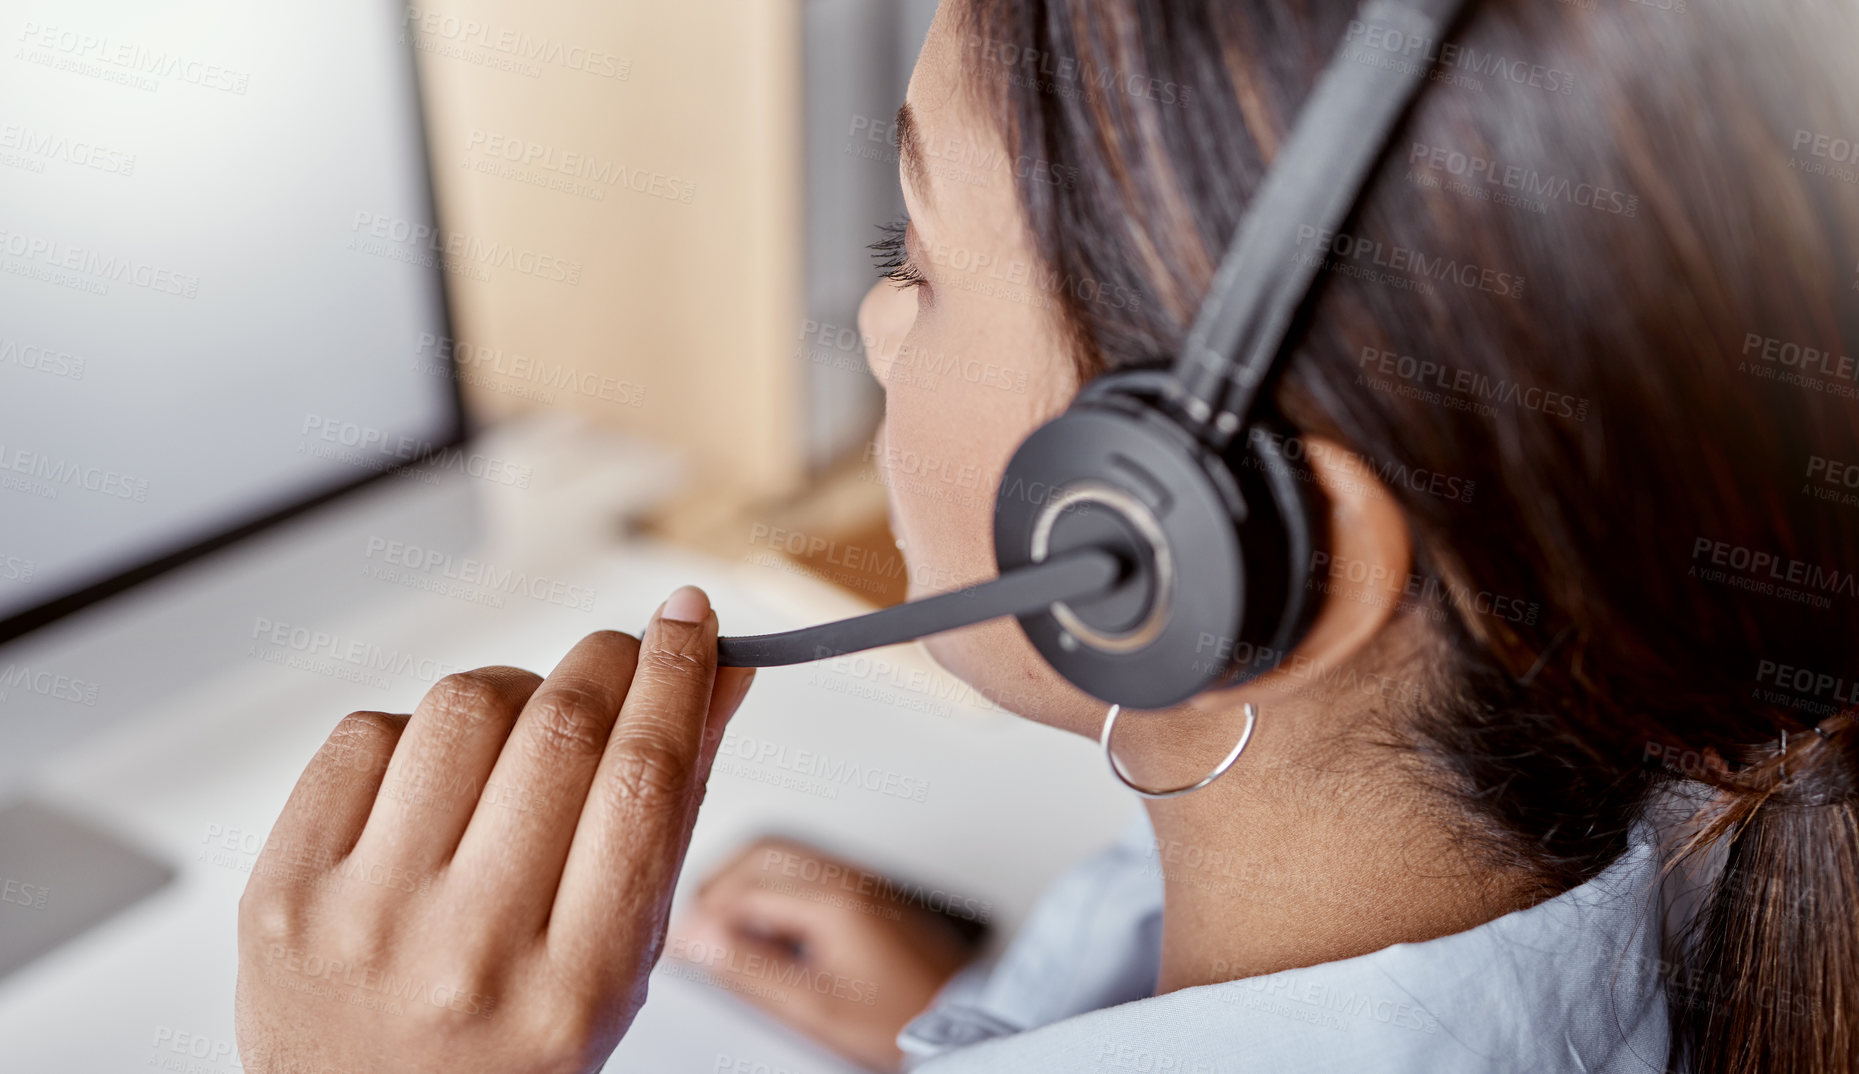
<point>942,474</point>
<point>950,428</point>
<point>957,407</point>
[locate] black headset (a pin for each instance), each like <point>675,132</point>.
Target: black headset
<point>1153,539</point>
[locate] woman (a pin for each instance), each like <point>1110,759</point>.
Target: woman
<point>1575,392</point>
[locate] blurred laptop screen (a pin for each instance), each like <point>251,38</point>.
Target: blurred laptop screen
<point>220,293</point>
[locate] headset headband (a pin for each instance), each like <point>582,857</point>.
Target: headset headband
<point>1311,189</point>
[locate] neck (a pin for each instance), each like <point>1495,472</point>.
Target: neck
<point>1291,860</point>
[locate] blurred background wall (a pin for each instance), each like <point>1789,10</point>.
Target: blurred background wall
<point>696,182</point>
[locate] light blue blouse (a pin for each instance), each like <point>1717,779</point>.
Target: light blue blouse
<point>1571,984</point>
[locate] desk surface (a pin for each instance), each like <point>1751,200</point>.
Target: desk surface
<point>198,780</point>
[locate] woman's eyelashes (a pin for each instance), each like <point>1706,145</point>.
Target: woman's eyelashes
<point>892,254</point>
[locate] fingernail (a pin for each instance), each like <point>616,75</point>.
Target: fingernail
<point>687,605</point>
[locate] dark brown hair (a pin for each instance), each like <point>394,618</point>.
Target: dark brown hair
<point>1606,277</point>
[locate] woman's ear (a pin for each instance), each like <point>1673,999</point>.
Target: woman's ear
<point>1361,580</point>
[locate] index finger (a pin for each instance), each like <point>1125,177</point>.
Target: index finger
<point>629,845</point>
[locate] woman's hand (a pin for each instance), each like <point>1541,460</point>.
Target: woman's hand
<point>483,886</point>
<point>843,954</point>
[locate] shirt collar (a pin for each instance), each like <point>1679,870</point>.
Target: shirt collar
<point>1572,983</point>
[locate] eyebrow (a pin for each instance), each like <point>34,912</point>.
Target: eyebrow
<point>910,151</point>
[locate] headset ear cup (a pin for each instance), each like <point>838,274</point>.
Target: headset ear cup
<point>1116,473</point>
<point>1224,545</point>
<point>1285,526</point>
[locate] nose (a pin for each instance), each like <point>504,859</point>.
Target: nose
<point>884,319</point>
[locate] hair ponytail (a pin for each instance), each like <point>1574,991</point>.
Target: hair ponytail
<point>1768,970</point>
